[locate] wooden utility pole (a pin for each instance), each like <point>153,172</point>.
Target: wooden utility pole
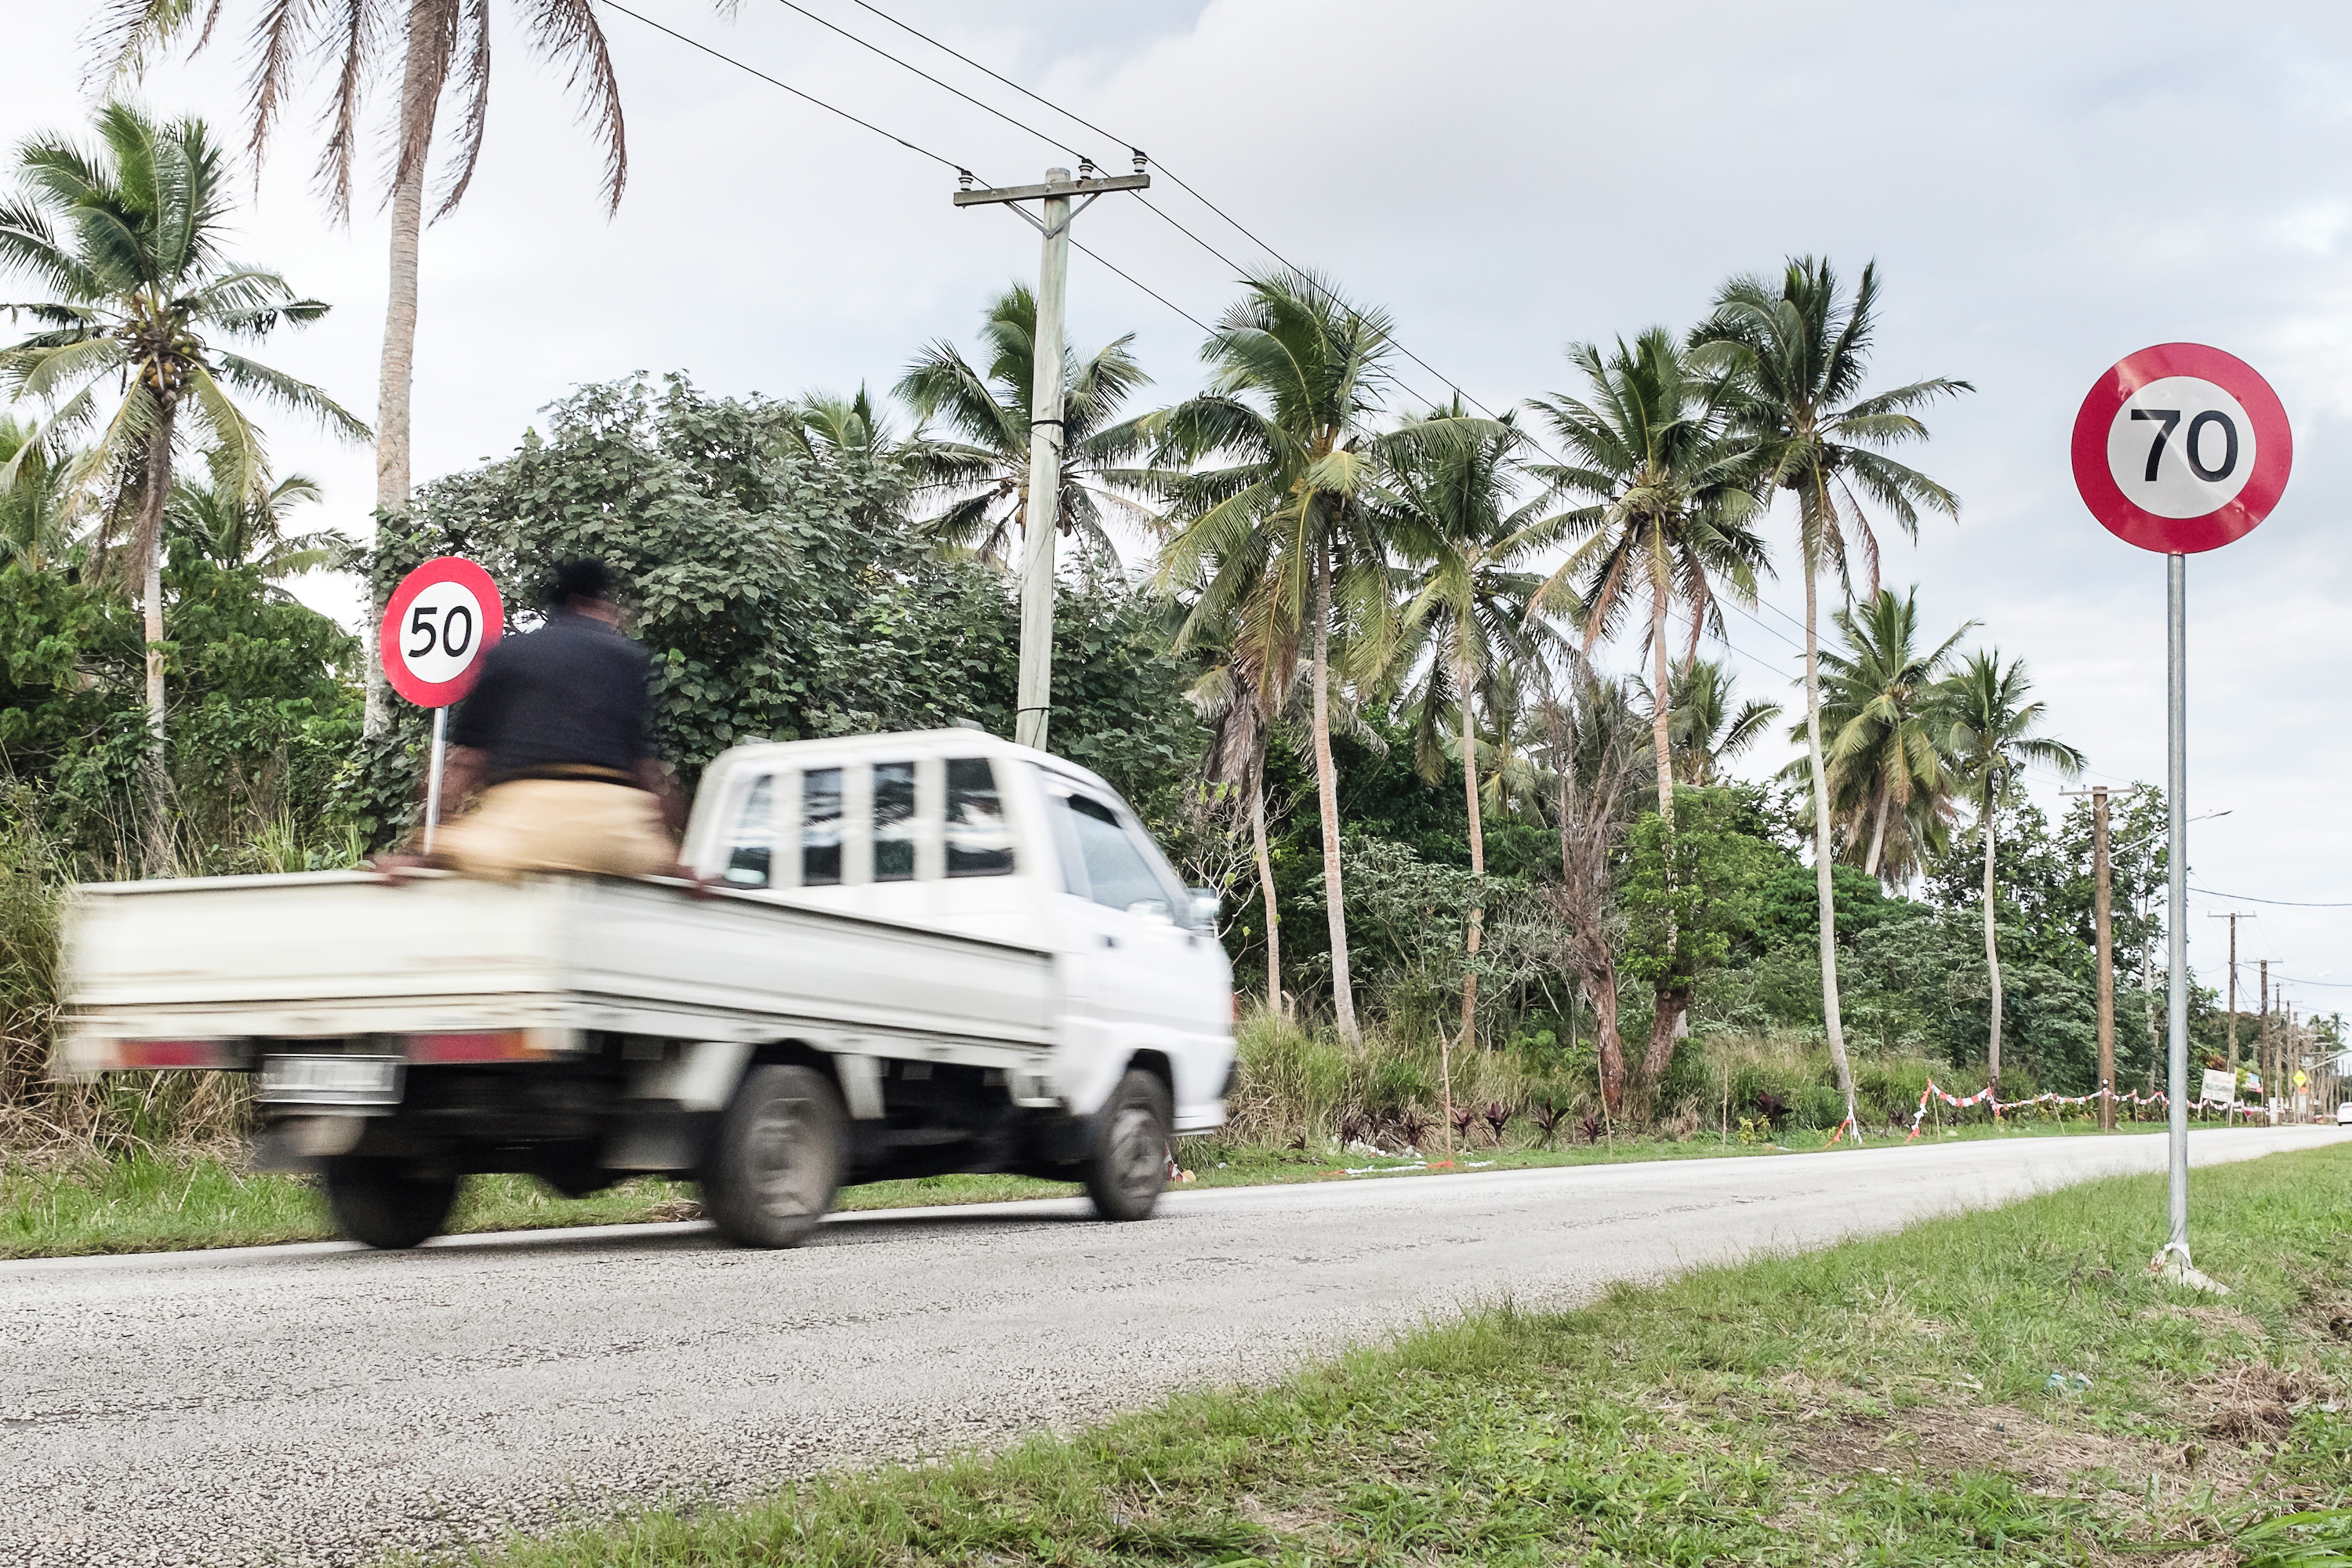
<point>2234,916</point>
<point>2103,914</point>
<point>1041,508</point>
<point>2263,1052</point>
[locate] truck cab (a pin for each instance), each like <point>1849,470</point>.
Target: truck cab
<point>957,831</point>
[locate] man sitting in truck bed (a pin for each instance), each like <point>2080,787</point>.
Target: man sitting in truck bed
<point>557,736</point>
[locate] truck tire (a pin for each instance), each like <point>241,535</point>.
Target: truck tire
<point>383,1204</point>
<point>776,1163</point>
<point>1128,1169</point>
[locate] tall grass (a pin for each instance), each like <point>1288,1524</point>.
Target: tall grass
<point>43,1120</point>
<point>1303,1088</point>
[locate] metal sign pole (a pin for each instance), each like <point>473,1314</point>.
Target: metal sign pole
<point>433,784</point>
<point>2176,936</point>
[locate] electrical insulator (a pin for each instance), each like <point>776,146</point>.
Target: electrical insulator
<point>1137,153</point>
<point>963,179</point>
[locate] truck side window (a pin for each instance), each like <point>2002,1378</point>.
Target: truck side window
<point>751,844</point>
<point>979,844</point>
<point>821,827</point>
<point>894,822</point>
<point>1117,872</point>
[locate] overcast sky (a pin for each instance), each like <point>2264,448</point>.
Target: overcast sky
<point>2045,189</point>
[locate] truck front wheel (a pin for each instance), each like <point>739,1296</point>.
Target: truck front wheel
<point>1128,1169</point>
<point>776,1163</point>
<point>383,1204</point>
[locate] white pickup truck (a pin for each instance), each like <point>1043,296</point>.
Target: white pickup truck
<point>929,953</point>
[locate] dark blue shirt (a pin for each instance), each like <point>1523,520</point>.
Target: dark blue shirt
<point>554,703</point>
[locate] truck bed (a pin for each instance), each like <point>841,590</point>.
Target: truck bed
<point>339,954</point>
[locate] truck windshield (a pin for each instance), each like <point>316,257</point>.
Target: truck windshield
<point>1117,872</point>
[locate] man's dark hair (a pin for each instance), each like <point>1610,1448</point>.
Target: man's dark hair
<point>584,578</point>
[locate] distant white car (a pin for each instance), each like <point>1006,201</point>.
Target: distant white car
<point>2344,1114</point>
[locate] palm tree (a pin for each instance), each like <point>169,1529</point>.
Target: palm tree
<point>986,467</point>
<point>1989,730</point>
<point>1597,740</point>
<point>1885,764</point>
<point>1668,510</point>
<point>1702,727</point>
<point>128,237</point>
<point>35,531</point>
<point>1447,512</point>
<point>1799,352</point>
<point>444,45</point>
<point>235,528</point>
<point>1277,531</point>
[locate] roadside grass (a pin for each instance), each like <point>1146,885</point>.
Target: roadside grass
<point>160,1202</point>
<point>2004,1387</point>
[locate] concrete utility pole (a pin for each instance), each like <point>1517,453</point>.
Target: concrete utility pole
<point>1043,508</point>
<point>2106,940</point>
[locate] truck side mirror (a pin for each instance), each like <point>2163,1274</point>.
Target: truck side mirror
<point>1208,907</point>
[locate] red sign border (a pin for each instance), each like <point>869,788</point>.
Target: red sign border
<point>440,569</point>
<point>2273,458</point>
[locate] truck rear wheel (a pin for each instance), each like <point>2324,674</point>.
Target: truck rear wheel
<point>1128,1169</point>
<point>776,1163</point>
<point>383,1204</point>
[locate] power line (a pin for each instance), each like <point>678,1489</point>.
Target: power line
<point>908,65</point>
<point>1163,299</point>
<point>796,92</point>
<point>1107,264</point>
<point>1173,177</point>
<point>2284,903</point>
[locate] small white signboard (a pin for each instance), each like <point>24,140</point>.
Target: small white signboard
<point>2220,1086</point>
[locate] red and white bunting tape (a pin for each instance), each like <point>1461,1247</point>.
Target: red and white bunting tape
<point>1961,1102</point>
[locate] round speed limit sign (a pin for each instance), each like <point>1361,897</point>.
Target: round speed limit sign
<point>2180,449</point>
<point>442,619</point>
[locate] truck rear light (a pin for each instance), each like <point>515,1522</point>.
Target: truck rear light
<point>174,1054</point>
<point>505,1045</point>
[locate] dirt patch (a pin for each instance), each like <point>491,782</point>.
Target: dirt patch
<point>2251,1402</point>
<point>674,1209</point>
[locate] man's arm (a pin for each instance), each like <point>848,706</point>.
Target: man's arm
<point>462,770</point>
<point>653,778</point>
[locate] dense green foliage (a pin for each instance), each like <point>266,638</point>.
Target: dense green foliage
<point>783,592</point>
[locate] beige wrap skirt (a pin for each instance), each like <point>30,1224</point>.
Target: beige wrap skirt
<point>559,825</point>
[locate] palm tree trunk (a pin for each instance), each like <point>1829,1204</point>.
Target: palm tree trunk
<point>1878,836</point>
<point>1477,856</point>
<point>1824,885</point>
<point>1265,884</point>
<point>1666,1019</point>
<point>1993,961</point>
<point>1662,716</point>
<point>397,372</point>
<point>1326,793</point>
<point>155,494</point>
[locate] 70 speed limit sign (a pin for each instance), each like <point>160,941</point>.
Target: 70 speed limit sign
<point>442,619</point>
<point>2180,449</point>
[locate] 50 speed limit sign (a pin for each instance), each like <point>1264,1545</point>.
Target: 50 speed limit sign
<point>2180,449</point>
<point>442,619</point>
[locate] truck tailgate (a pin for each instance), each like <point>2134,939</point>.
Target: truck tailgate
<point>342,953</point>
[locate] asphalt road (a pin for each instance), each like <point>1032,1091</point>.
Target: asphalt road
<point>318,1404</point>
